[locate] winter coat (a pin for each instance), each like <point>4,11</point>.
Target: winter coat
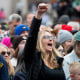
<point>3,69</point>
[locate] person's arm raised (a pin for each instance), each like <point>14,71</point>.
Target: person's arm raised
<point>31,42</point>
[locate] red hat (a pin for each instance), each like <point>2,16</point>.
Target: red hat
<point>66,27</point>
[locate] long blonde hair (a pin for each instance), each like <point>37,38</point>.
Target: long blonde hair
<point>10,67</point>
<point>52,60</point>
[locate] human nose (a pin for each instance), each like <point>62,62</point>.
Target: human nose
<point>52,38</point>
<point>6,54</point>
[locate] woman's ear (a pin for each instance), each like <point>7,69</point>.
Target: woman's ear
<point>72,76</point>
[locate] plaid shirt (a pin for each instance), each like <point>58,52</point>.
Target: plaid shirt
<point>6,34</point>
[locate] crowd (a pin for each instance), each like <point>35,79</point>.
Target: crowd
<point>42,48</point>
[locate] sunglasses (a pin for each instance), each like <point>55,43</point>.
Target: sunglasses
<point>48,37</point>
<point>3,53</point>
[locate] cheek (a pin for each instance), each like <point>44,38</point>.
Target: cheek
<point>77,77</point>
<point>19,46</point>
<point>44,42</point>
<point>68,44</point>
<point>29,20</point>
<point>8,57</point>
<point>21,34</point>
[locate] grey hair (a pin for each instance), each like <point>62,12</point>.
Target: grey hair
<point>15,17</point>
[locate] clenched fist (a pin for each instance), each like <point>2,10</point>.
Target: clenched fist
<point>42,8</point>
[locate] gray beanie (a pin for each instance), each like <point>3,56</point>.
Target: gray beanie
<point>64,19</point>
<point>64,35</point>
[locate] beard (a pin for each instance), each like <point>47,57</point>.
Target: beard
<point>70,49</point>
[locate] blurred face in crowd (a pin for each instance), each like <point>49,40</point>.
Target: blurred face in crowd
<point>67,44</point>
<point>29,19</point>
<point>61,50</point>
<point>77,8</point>
<point>13,25</point>
<point>76,76</point>
<point>77,48</point>
<point>47,41</point>
<point>55,35</point>
<point>22,44</point>
<point>6,53</point>
<point>11,50</point>
<point>42,27</point>
<point>57,26</point>
<point>24,33</point>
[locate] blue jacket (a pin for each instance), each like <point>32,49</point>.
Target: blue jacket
<point>3,69</point>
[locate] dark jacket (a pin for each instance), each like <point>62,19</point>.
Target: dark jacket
<point>20,62</point>
<point>32,57</point>
<point>20,71</point>
<point>3,69</point>
<point>19,76</point>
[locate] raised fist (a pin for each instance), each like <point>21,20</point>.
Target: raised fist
<point>42,8</point>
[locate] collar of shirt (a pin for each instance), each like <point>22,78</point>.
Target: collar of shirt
<point>75,56</point>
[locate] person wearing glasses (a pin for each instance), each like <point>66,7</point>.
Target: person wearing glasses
<point>5,52</point>
<point>44,62</point>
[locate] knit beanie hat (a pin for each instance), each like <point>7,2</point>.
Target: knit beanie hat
<point>77,36</point>
<point>66,27</point>
<point>20,28</point>
<point>16,40</point>
<point>64,35</point>
<point>6,41</point>
<point>64,19</point>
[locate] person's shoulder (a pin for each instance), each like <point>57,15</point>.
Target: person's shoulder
<point>60,60</point>
<point>2,61</point>
<point>6,33</point>
<point>1,58</point>
<point>68,57</point>
<point>20,76</point>
<point>13,59</point>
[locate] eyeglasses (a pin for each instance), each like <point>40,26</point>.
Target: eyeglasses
<point>48,37</point>
<point>3,53</point>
